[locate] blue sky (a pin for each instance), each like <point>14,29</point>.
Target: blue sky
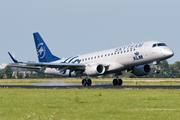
<point>78,27</point>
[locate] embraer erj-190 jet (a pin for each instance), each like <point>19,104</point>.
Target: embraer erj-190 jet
<point>135,58</point>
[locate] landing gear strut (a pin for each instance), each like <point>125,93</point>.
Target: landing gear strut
<point>117,81</point>
<point>87,82</point>
<point>157,69</point>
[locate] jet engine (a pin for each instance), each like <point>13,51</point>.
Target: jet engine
<point>95,69</point>
<point>141,70</point>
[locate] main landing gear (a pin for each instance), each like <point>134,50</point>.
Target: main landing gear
<point>87,82</point>
<point>117,81</point>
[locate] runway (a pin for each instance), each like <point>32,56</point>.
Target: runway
<point>88,87</point>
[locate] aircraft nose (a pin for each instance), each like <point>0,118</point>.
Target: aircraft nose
<point>168,52</point>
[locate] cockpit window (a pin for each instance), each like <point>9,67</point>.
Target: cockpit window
<point>154,45</point>
<point>161,44</point>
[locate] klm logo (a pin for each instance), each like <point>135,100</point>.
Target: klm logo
<point>137,56</point>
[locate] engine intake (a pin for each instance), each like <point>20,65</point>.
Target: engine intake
<point>142,70</point>
<point>95,69</point>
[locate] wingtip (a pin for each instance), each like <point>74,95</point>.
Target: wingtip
<point>14,60</point>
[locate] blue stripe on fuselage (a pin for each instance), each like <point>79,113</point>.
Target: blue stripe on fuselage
<point>69,62</point>
<point>72,59</point>
<point>66,60</point>
<point>77,60</point>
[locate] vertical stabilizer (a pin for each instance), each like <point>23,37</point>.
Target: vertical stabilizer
<point>43,52</point>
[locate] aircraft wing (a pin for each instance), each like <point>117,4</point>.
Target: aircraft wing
<point>30,67</point>
<point>71,66</point>
<point>63,66</point>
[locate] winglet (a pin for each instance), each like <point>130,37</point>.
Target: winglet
<point>14,60</point>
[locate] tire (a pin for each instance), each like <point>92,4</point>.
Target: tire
<point>84,82</point>
<point>115,82</point>
<point>120,82</point>
<point>157,71</point>
<point>89,82</point>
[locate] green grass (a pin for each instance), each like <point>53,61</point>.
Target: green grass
<point>92,104</point>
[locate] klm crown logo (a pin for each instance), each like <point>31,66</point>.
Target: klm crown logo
<point>137,56</point>
<point>137,53</point>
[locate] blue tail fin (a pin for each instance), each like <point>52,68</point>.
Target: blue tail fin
<point>43,52</point>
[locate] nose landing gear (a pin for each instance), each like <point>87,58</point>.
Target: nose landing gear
<point>157,69</point>
<point>87,82</point>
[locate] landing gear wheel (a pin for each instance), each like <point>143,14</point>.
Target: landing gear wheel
<point>84,82</point>
<point>120,82</point>
<point>157,71</point>
<point>89,82</point>
<point>115,82</point>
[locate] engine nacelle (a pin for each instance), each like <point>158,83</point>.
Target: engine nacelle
<point>142,70</point>
<point>95,69</point>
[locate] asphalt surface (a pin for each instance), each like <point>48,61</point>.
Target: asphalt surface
<point>89,87</point>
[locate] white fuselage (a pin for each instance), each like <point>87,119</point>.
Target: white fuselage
<point>118,59</point>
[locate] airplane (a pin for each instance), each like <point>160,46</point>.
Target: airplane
<point>135,58</point>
